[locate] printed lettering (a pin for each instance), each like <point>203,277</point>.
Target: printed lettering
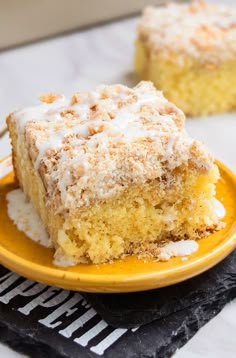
<point>66,308</point>
<point>52,296</point>
<point>43,300</point>
<point>7,280</point>
<point>93,332</point>
<point>79,322</point>
<point>108,341</point>
<point>26,288</point>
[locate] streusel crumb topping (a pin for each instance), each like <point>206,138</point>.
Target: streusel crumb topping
<point>201,30</point>
<point>96,144</point>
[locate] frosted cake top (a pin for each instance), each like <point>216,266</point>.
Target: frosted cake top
<point>96,144</point>
<point>201,30</point>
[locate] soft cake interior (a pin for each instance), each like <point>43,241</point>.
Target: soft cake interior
<point>141,216</point>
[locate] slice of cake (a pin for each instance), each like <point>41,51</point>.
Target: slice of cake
<point>189,52</point>
<point>112,172</point>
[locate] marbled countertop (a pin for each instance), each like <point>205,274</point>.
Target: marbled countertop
<point>80,61</point>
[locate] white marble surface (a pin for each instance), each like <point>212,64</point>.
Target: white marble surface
<point>104,55</point>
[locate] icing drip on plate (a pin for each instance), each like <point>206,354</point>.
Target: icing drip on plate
<point>25,217</point>
<point>219,209</point>
<point>178,248</point>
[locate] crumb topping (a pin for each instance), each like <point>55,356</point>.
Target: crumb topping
<point>95,145</point>
<point>201,30</point>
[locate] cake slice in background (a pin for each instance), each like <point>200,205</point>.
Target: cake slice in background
<point>189,52</point>
<point>113,172</point>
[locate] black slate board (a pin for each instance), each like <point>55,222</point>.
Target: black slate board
<point>46,322</point>
<point>134,309</point>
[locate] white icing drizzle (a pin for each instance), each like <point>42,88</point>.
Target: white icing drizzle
<point>95,145</point>
<point>118,114</point>
<point>126,125</point>
<point>219,209</point>
<point>25,217</point>
<point>178,248</point>
<point>61,260</point>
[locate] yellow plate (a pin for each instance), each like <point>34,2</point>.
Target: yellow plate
<point>33,261</point>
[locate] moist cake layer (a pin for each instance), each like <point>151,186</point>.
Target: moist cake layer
<point>113,172</point>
